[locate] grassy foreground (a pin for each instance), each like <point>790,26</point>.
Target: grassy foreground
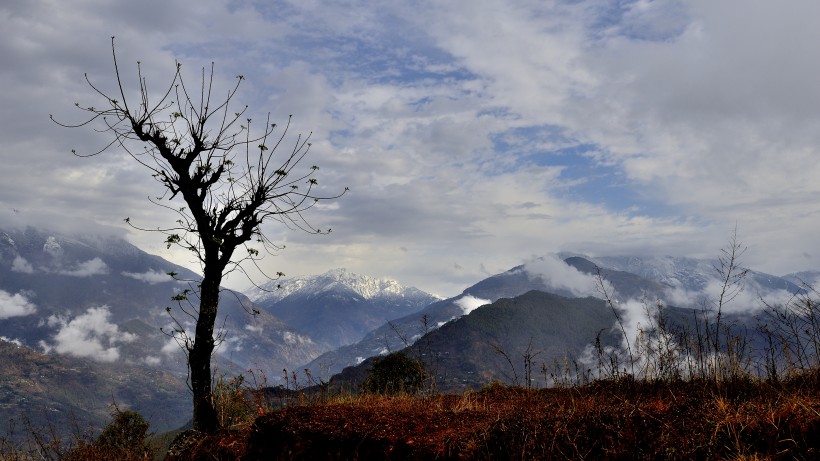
<point>614,419</point>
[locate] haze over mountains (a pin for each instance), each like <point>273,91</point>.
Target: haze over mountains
<point>88,309</point>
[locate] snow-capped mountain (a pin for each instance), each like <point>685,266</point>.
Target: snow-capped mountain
<point>338,307</point>
<point>334,279</point>
<point>805,277</point>
<point>693,275</point>
<point>686,273</point>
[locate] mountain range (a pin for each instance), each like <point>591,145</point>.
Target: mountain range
<point>465,331</point>
<point>570,278</point>
<point>95,309</point>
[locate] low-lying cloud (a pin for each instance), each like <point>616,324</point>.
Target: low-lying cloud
<point>21,265</point>
<point>88,268</point>
<point>558,275</point>
<point>254,328</point>
<point>89,335</point>
<point>16,305</point>
<point>747,298</point>
<point>14,341</point>
<point>150,276</point>
<point>469,303</point>
<point>295,338</point>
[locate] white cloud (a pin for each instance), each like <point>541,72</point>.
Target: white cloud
<point>170,347</point>
<point>230,344</point>
<point>90,335</point>
<point>254,328</point>
<point>88,268</point>
<point>698,117</point>
<point>295,338</point>
<point>20,264</point>
<point>15,305</point>
<point>557,274</point>
<point>151,360</point>
<point>469,303</point>
<point>150,276</point>
<point>14,341</point>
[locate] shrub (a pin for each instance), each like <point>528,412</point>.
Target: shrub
<point>124,439</point>
<point>394,374</point>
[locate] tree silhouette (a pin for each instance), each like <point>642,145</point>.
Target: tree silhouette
<point>231,181</point>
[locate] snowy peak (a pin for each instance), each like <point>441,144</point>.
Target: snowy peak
<point>690,274</point>
<point>332,280</point>
<point>679,272</point>
<point>338,307</point>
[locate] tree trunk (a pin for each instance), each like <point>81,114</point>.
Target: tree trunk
<point>199,359</point>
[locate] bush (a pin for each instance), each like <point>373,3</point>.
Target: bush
<point>123,439</point>
<point>394,374</point>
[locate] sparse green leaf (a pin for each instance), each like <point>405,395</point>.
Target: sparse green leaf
<point>172,239</point>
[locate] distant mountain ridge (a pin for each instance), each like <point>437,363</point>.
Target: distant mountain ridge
<point>692,274</point>
<point>340,278</point>
<point>338,307</point>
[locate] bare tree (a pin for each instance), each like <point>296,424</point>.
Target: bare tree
<point>731,275</point>
<point>200,149</point>
<point>607,292</point>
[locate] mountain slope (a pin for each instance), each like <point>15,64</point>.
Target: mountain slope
<point>63,391</point>
<point>552,326</point>
<point>101,300</point>
<point>469,352</point>
<point>104,299</point>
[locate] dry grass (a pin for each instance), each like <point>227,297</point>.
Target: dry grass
<point>737,419</point>
<point>616,419</point>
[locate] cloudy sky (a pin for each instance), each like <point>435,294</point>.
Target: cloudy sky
<point>473,135</point>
